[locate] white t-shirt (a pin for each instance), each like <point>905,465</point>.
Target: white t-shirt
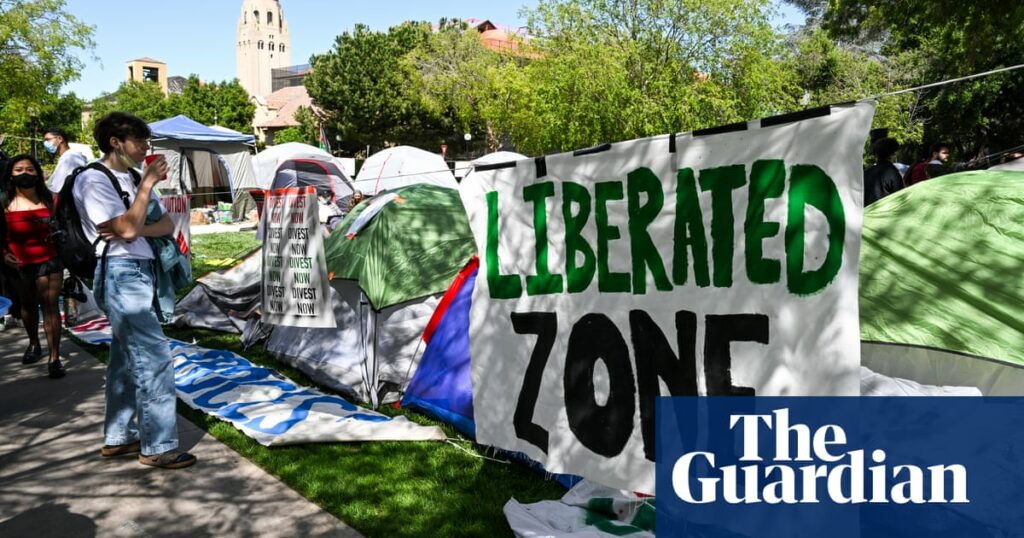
<point>65,165</point>
<point>98,202</point>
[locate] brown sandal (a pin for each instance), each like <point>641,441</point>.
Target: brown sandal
<point>172,459</point>
<point>109,451</point>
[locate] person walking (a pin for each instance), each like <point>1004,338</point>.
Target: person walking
<point>56,141</point>
<point>140,412</point>
<point>932,167</point>
<point>28,205</point>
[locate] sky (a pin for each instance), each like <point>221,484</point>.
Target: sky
<point>198,36</point>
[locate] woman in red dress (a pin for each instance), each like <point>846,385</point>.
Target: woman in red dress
<point>26,245</point>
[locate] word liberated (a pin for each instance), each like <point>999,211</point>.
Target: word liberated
<point>644,197</point>
<point>787,483</point>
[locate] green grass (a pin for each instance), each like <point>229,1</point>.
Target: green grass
<point>379,488</point>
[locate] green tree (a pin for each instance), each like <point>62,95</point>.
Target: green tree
<point>38,40</point>
<point>214,103</point>
<point>365,95</point>
<point>946,40</point>
<point>604,70</point>
<point>143,99</point>
<point>291,134</point>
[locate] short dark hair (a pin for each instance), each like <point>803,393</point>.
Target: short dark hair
<point>119,125</point>
<point>884,147</point>
<point>57,131</point>
<point>937,147</point>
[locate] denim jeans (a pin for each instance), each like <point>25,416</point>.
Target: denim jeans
<point>140,375</point>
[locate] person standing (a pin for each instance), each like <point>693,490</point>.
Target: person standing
<point>882,178</point>
<point>933,166</point>
<point>56,141</point>
<point>140,412</point>
<point>28,205</point>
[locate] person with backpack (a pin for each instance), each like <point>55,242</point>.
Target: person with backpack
<point>56,141</point>
<point>933,166</point>
<point>112,200</point>
<point>28,205</point>
<point>882,178</point>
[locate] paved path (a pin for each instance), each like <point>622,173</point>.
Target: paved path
<point>53,481</point>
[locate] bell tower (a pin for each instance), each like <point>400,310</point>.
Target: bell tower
<point>262,45</point>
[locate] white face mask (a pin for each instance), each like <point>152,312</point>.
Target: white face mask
<point>50,147</point>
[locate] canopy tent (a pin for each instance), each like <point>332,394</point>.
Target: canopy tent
<point>388,279</point>
<point>401,166</point>
<point>210,164</point>
<point>942,290</point>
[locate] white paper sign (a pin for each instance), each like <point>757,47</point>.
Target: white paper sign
<point>714,264</point>
<point>295,290</point>
<point>177,208</point>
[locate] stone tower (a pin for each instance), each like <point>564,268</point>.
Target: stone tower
<point>262,45</point>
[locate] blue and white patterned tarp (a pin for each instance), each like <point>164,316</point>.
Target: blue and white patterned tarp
<point>270,408</point>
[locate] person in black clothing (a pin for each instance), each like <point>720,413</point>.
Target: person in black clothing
<point>882,178</point>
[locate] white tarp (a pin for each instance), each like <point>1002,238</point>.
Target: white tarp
<point>588,510</point>
<point>371,356</point>
<point>274,410</point>
<point>727,266</point>
<point>295,284</point>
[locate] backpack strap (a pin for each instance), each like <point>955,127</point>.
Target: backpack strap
<point>124,199</point>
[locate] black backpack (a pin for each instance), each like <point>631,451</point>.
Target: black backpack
<point>74,249</point>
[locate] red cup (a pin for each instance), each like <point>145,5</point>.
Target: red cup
<point>150,159</point>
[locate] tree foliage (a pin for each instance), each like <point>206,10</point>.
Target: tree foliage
<point>38,40</point>
<point>221,103</point>
<point>945,40</point>
<point>365,94</point>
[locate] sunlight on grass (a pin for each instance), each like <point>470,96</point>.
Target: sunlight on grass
<point>379,488</point>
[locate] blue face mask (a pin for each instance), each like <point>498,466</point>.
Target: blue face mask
<point>50,147</point>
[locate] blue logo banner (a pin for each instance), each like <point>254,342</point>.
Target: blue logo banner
<point>840,467</point>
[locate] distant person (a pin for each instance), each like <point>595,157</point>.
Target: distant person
<point>882,178</point>
<point>56,141</point>
<point>27,205</point>
<point>931,167</point>
<point>353,201</point>
<point>140,416</point>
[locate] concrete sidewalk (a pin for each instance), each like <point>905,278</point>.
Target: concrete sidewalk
<point>53,481</point>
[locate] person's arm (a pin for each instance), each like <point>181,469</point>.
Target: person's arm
<point>130,224</point>
<point>160,228</point>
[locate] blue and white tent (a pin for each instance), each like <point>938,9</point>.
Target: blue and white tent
<point>210,163</point>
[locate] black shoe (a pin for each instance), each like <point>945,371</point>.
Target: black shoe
<point>32,354</point>
<point>55,369</point>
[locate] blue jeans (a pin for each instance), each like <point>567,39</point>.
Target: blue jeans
<point>140,375</point>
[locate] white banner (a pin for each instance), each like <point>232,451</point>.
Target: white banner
<point>296,291</point>
<point>178,208</point>
<point>704,264</point>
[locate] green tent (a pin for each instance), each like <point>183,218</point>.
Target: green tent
<point>412,248</point>
<point>942,282</point>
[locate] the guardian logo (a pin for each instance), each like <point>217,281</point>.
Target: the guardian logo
<point>808,467</point>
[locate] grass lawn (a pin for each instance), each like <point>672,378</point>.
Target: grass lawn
<point>379,488</point>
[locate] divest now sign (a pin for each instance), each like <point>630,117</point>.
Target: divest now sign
<point>711,263</point>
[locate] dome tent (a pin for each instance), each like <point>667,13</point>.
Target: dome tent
<point>386,283</point>
<point>942,287</point>
<point>401,166</point>
<point>210,164</point>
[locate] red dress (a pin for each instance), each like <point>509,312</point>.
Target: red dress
<point>28,236</point>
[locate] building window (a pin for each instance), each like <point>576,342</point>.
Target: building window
<point>270,18</point>
<point>150,74</point>
<point>256,16</point>
<point>281,47</point>
<point>271,47</point>
<point>260,45</point>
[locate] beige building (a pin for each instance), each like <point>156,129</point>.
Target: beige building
<point>262,45</point>
<point>148,70</point>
